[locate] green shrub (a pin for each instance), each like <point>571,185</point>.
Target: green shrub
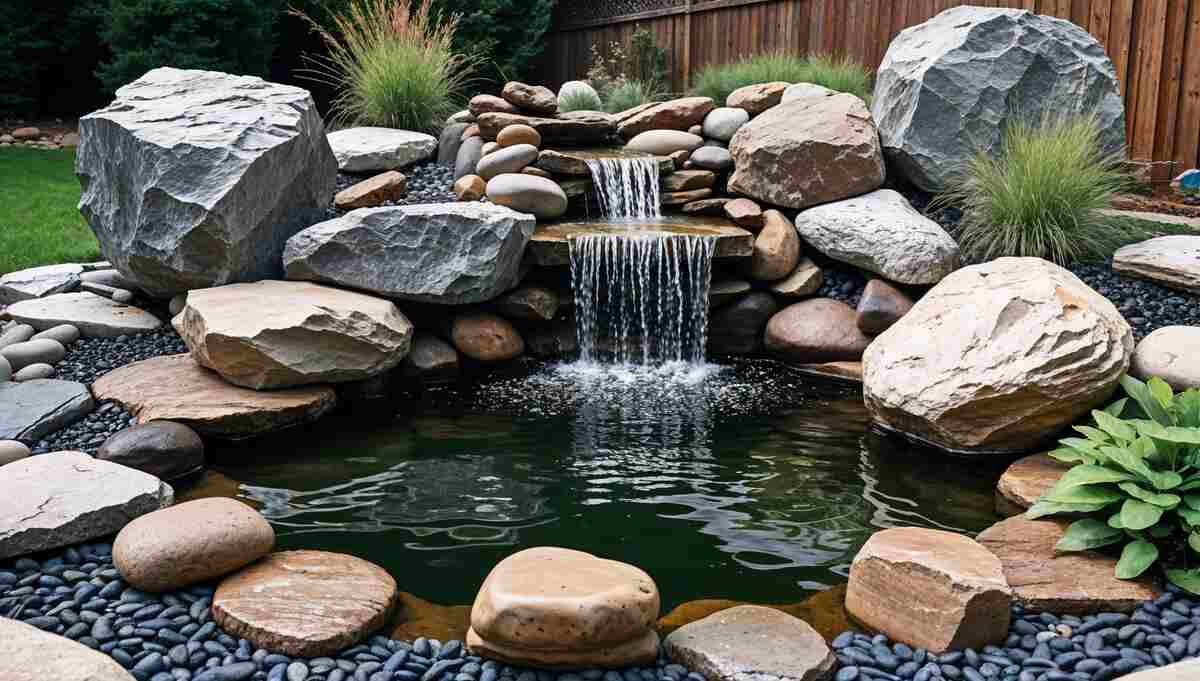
<point>580,100</point>
<point>1138,481</point>
<point>236,36</point>
<point>630,93</point>
<point>503,35</point>
<point>394,65</point>
<point>841,74</point>
<point>1042,195</point>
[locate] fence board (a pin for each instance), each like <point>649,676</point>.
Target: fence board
<point>1154,46</point>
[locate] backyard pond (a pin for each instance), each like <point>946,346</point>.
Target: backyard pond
<point>745,481</point>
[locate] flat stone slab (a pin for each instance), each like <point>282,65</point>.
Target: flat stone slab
<point>305,603</point>
<point>575,161</point>
<point>366,150</point>
<point>30,654</point>
<point>95,316</point>
<point>1062,583</point>
<point>30,410</point>
<point>1188,670</point>
<point>1172,261</point>
<point>751,642</point>
<point>549,246</point>
<point>64,498</point>
<point>846,372</point>
<point>1162,218</point>
<point>1024,482</point>
<point>37,282</point>
<point>175,388</point>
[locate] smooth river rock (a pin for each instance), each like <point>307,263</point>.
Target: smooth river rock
<point>373,191</point>
<point>305,603</point>
<point>279,334</point>
<point>758,97</point>
<point>444,253</point>
<point>1171,353</point>
<point>94,316</point>
<point>197,178</point>
<point>192,542</point>
<point>164,449</point>
<point>64,498</point>
<point>751,642</point>
<point>30,654</point>
<point>528,194</point>
<point>722,122</point>
<point>486,337</point>
<point>556,607</point>
<point>176,388</point>
<point>776,248</point>
<point>737,328</point>
<point>374,150</point>
<point>882,233</point>
<point>506,160</point>
<point>31,410</point>
<point>33,351</point>
<point>431,360</point>
<point>997,358</point>
<point>664,142</point>
<point>536,99</point>
<point>809,151</point>
<point>950,86</point>
<point>1172,261</point>
<point>930,589</point>
<point>881,306</point>
<point>12,450</point>
<point>815,331</point>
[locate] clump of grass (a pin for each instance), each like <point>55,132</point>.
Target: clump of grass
<point>579,100</point>
<point>1043,194</point>
<point>393,64</point>
<point>841,74</point>
<point>630,93</point>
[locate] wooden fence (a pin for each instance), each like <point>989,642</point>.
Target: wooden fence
<point>1154,44</point>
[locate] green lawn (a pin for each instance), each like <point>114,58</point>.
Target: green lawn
<point>39,221</point>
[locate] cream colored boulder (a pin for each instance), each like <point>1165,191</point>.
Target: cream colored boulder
<point>776,248</point>
<point>930,589</point>
<point>664,142</point>
<point>1171,353</point>
<point>30,654</point>
<point>997,357</point>
<point>192,542</point>
<point>1172,261</point>
<point>279,334</point>
<point>556,607</point>
<point>752,642</point>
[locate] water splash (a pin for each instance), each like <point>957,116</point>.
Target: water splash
<point>641,298</point>
<point>626,188</point>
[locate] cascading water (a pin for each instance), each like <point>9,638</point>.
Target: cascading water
<point>626,188</point>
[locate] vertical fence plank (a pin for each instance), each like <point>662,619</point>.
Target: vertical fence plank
<point>1167,106</point>
<point>1145,70</point>
<point>1187,136</point>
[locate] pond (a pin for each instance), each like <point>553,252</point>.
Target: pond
<point>745,481</point>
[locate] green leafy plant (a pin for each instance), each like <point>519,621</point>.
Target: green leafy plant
<point>629,94</point>
<point>841,74</point>
<point>1042,195</point>
<point>393,64</point>
<point>1137,480</point>
<point>503,37</point>
<point>646,61</point>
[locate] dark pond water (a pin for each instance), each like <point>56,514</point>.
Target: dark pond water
<point>747,481</point>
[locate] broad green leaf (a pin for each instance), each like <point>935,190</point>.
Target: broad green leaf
<point>1188,580</point>
<point>1136,558</point>
<point>1182,436</point>
<point>1086,494</point>
<point>1114,426</point>
<point>1044,508</point>
<point>1094,434</point>
<point>1090,475</point>
<point>1071,455</point>
<point>1161,391</point>
<point>1116,408</point>
<point>1165,480</point>
<point>1114,521</point>
<point>1190,484</point>
<point>1194,541</point>
<point>1138,515</point>
<point>1190,516</point>
<point>1128,460</point>
<point>1166,501</point>
<point>1151,429</point>
<point>1088,534</point>
<point>1192,500</point>
<point>1187,405</point>
<point>1146,400</point>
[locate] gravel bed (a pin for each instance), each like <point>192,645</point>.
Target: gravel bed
<point>87,434</point>
<point>171,637</point>
<point>1146,306</point>
<point>427,183</point>
<point>1042,647</point>
<point>90,358</point>
<point>841,282</point>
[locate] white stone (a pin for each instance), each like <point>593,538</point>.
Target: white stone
<point>1171,353</point>
<point>30,654</point>
<point>93,315</point>
<point>38,281</point>
<point>372,150</point>
<point>1172,261</point>
<point>723,121</point>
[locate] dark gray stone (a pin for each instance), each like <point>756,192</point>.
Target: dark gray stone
<point>449,144</point>
<point>164,449</point>
<point>31,410</point>
<point>737,328</point>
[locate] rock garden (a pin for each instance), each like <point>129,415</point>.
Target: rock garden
<point>956,428</point>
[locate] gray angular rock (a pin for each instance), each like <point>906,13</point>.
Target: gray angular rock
<point>33,409</point>
<point>752,642</point>
<point>880,232</point>
<point>449,143</point>
<point>197,178</point>
<point>374,150</point>
<point>64,498</point>
<point>38,281</point>
<point>949,86</point>
<point>93,315</point>
<point>737,328</point>
<point>402,252</point>
<point>431,360</point>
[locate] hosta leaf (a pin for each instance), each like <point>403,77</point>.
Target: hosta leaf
<point>1094,434</point>
<point>1136,558</point>
<point>1166,501</point>
<point>1192,500</point>
<point>1086,494</point>
<point>1128,460</point>
<point>1114,521</point>
<point>1190,484</point>
<point>1151,429</point>
<point>1182,436</point>
<point>1188,406</point>
<point>1116,408</point>
<point>1165,480</point>
<point>1044,508</point>
<point>1190,516</point>
<point>1188,580</point>
<point>1088,534</point>
<point>1090,475</point>
<point>1114,426</point>
<point>1072,455</point>
<point>1161,391</point>
<point>1146,400</point>
<point>1194,541</point>
<point>1138,515</point>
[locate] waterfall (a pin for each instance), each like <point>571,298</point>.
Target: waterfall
<point>626,188</point>
<point>641,297</point>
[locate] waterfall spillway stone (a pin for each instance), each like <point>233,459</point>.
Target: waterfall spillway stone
<point>641,297</point>
<point>627,188</point>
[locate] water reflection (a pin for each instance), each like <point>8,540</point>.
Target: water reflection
<point>743,482</point>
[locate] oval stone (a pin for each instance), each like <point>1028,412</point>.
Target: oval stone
<point>63,333</point>
<point>665,142</point>
<point>41,351</point>
<point>519,133</point>
<point>540,197</point>
<point>34,372</point>
<point>506,160</point>
<point>164,449</point>
<point>12,450</point>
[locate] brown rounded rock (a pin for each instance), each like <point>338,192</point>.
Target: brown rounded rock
<point>1024,482</point>
<point>519,134</point>
<point>486,337</point>
<point>189,543</point>
<point>756,98</point>
<point>470,188</point>
<point>481,104</point>
<point>536,99</point>
<point>745,213</point>
<point>305,603</point>
<point>776,248</point>
<point>880,306</point>
<point>815,331</point>
<point>373,191</point>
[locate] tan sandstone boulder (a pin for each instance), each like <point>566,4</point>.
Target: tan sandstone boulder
<point>776,248</point>
<point>30,654</point>
<point>556,607</point>
<point>279,334</point>
<point>997,357</point>
<point>930,589</point>
<point>373,191</point>
<point>812,150</point>
<point>192,542</point>
<point>677,114</point>
<point>752,642</point>
<point>1025,481</point>
<point>305,603</point>
<point>756,98</point>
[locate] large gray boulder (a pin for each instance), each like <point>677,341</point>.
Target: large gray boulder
<point>194,179</point>
<point>447,253</point>
<point>949,86</point>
